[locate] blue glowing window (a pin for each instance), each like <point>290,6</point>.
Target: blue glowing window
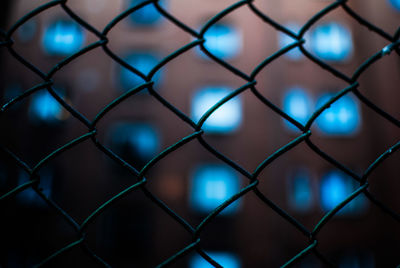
<point>29,196</point>
<point>301,195</point>
<point>332,42</point>
<point>298,105</point>
<point>335,188</point>
<point>225,259</point>
<point>147,15</point>
<point>143,62</point>
<point>63,37</point>
<point>44,108</point>
<point>341,118</point>
<point>285,40</point>
<point>138,142</point>
<point>211,186</point>
<point>226,118</point>
<point>395,4</point>
<point>223,41</point>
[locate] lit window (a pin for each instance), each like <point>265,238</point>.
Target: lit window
<point>332,42</point>
<point>341,118</point>
<point>211,186</point>
<point>146,15</point>
<point>27,31</point>
<point>223,41</point>
<point>29,196</point>
<point>63,37</point>
<point>44,108</point>
<point>285,40</point>
<point>335,188</point>
<point>298,105</point>
<point>225,259</point>
<point>143,62</point>
<point>226,118</point>
<point>300,194</point>
<point>395,4</point>
<point>136,142</point>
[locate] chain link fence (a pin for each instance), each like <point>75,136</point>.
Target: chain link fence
<point>47,84</point>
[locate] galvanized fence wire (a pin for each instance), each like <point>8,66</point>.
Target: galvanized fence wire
<point>250,84</point>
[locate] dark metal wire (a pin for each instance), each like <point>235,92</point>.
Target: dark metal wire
<point>250,85</point>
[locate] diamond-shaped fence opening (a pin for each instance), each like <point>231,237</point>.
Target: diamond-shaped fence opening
<point>136,190</point>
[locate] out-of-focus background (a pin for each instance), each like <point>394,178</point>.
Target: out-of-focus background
<point>191,181</point>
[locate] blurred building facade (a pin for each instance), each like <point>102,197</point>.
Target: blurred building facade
<point>191,180</point>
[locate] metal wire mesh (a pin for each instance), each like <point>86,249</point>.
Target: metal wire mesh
<point>250,85</point>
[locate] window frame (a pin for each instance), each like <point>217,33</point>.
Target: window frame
<point>201,206</point>
<point>236,50</point>
<point>206,92</point>
<point>52,51</point>
<point>330,57</point>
